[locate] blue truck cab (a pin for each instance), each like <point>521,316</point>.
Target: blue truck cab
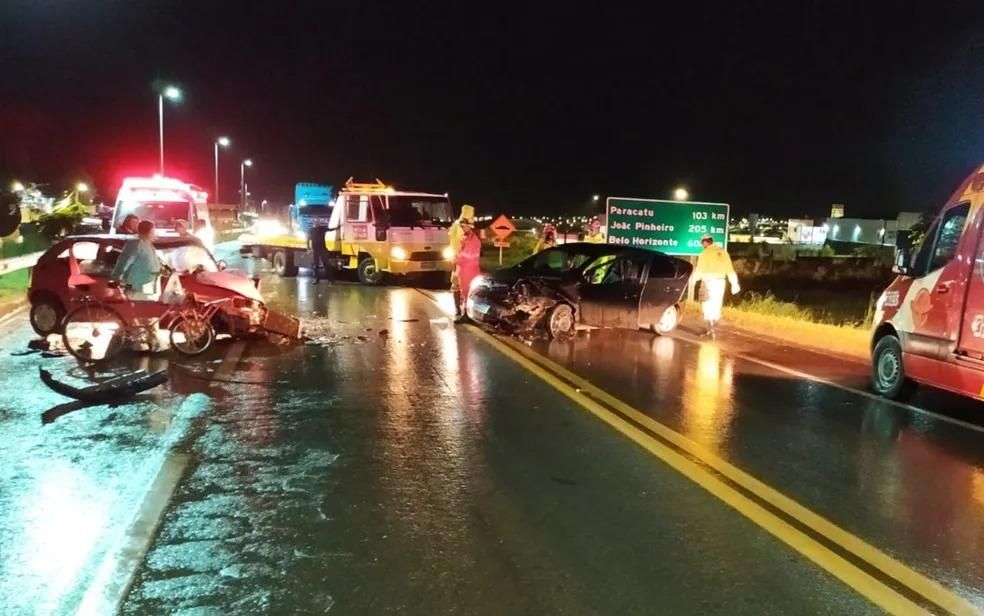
<point>312,206</point>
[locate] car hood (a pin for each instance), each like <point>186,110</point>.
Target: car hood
<point>237,283</point>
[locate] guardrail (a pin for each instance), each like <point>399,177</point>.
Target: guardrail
<point>18,263</point>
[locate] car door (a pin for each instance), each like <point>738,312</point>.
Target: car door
<point>935,300</point>
<point>611,291</point>
<point>665,283</point>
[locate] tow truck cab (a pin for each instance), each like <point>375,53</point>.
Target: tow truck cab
<point>375,228</point>
<point>929,323</point>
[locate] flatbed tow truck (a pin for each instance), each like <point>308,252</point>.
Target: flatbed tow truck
<point>373,229</point>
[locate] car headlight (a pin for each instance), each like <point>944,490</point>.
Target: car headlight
<point>447,253</point>
<point>398,253</point>
<point>478,282</point>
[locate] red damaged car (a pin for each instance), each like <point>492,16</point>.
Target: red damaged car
<point>94,256</point>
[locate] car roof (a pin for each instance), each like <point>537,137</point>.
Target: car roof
<point>591,249</point>
<point>120,239</point>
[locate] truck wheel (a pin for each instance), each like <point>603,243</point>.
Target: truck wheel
<point>283,264</point>
<point>887,371</point>
<point>560,321</point>
<point>368,272</point>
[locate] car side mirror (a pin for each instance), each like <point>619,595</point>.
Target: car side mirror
<point>222,264</point>
<point>902,262</point>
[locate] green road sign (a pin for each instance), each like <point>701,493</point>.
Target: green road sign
<point>672,227</point>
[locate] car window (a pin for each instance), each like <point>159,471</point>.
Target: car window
<point>951,228</point>
<point>662,267</point>
<point>356,208</point>
<point>555,261</point>
<point>610,269</point>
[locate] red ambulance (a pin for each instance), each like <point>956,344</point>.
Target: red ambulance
<point>929,324</point>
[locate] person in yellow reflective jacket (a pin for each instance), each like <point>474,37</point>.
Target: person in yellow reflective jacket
<point>713,271</point>
<point>547,240</point>
<point>594,235</point>
<point>456,234</point>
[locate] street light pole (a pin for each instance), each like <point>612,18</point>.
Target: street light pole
<point>174,94</point>
<point>160,117</point>
<point>224,142</point>
<point>242,184</point>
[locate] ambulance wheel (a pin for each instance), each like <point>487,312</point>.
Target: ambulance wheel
<point>283,264</point>
<point>888,372</point>
<point>368,272</point>
<point>560,321</point>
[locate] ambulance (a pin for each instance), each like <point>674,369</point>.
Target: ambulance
<point>163,201</point>
<point>929,323</point>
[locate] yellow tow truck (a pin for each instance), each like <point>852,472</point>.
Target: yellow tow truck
<point>373,229</point>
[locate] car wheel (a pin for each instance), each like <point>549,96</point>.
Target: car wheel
<point>888,372</point>
<point>46,316</point>
<point>560,321</point>
<point>283,264</point>
<point>668,321</point>
<point>368,272</point>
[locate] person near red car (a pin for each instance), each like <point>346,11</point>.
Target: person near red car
<point>139,266</point>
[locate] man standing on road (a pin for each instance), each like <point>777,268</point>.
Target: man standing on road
<point>713,270</point>
<point>455,236</point>
<point>321,257</point>
<point>466,266</point>
<point>139,267</point>
<point>547,240</point>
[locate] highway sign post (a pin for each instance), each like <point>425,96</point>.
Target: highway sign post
<point>671,227</point>
<point>502,227</point>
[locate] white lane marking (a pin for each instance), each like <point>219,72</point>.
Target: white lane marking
<point>819,379</point>
<point>118,568</point>
<point>10,316</point>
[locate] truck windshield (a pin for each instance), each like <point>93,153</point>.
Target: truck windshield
<point>408,211</point>
<point>163,214</point>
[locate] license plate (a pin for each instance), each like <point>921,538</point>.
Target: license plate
<point>428,265</point>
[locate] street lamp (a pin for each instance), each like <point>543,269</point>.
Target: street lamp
<point>82,187</point>
<point>224,142</point>
<point>681,194</point>
<point>595,198</point>
<point>170,93</point>
<point>17,186</point>
<point>242,183</point>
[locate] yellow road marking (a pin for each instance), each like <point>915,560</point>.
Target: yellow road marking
<point>589,395</point>
<point>928,588</point>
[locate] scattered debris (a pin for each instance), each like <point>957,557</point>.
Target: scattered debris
<point>51,354</point>
<point>39,344</point>
<point>119,387</point>
<point>384,332</point>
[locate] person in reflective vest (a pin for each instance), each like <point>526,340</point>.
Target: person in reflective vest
<point>455,236</point>
<point>466,265</point>
<point>595,236</point>
<point>547,240</point>
<point>713,271</point>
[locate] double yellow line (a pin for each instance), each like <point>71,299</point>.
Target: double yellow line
<point>884,581</point>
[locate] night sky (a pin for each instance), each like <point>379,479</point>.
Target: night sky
<point>772,107</point>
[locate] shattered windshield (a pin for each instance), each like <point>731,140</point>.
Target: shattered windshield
<point>409,211</point>
<point>188,258</point>
<point>163,214</point>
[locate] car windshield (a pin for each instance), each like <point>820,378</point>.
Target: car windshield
<point>188,258</point>
<point>556,261</point>
<point>408,211</point>
<point>163,214</point>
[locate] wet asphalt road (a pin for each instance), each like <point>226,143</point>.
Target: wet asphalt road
<point>396,463</point>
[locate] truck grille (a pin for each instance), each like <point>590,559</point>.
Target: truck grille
<point>426,255</point>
